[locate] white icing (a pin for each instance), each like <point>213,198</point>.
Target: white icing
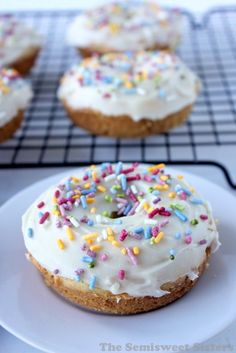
<point>154,266</point>
<point>17,97</point>
<point>16,38</point>
<point>133,25</point>
<point>168,87</point>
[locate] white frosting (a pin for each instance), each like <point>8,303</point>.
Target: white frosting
<point>126,25</point>
<point>154,265</point>
<point>161,84</point>
<point>15,95</point>
<point>16,38</point>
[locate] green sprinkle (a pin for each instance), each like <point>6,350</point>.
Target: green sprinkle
<point>121,195</point>
<point>108,198</point>
<point>116,187</point>
<point>180,207</point>
<point>172,257</point>
<point>194,222</point>
<point>91,265</point>
<point>150,189</point>
<point>152,241</point>
<point>105,213</point>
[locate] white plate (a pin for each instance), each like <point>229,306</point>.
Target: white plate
<point>32,312</point>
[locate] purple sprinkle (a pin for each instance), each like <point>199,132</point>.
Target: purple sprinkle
<point>91,253</point>
<point>202,242</point>
<point>56,271</point>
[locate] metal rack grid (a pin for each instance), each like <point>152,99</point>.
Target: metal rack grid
<point>48,138</point>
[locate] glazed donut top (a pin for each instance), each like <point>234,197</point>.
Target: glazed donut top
<point>15,94</point>
<point>122,228</point>
<point>141,85</point>
<point>126,25</point>
<point>16,38</point>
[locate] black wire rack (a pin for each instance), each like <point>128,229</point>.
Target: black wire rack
<point>48,138</point>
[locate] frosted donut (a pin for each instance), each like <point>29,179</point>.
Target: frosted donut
<point>15,95</point>
<point>19,44</point>
<point>120,238</point>
<point>129,94</point>
<point>125,25</point>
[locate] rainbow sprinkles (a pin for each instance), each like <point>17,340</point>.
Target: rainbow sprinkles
<point>119,227</point>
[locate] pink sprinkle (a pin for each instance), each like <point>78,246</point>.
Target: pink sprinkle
<point>44,217</point>
<point>57,193</point>
<point>135,177</point>
<point>127,171</point>
<point>104,257</point>
<point>182,195</point>
<point>106,95</point>
<point>204,217</point>
<point>164,212</point>
<point>132,257</point>
<point>109,168</point>
<point>135,164</point>
<point>156,171</point>
<point>153,213</point>
<point>121,274</point>
<point>85,177</point>
<point>62,210</point>
<point>147,178</point>
<point>155,231</point>
<point>131,195</point>
<point>41,204</point>
<point>123,235</point>
<point>104,174</point>
<point>188,239</point>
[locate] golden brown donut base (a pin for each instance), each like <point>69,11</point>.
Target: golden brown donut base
<point>98,50</point>
<point>123,125</point>
<point>24,64</point>
<point>121,304</point>
<point>7,130</point>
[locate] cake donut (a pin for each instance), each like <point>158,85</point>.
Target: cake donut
<point>19,44</point>
<point>15,95</point>
<point>120,238</point>
<point>125,25</point>
<point>129,94</point>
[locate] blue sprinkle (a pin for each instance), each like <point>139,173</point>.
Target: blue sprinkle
<point>117,221</point>
<point>30,232</point>
<point>156,192</point>
<point>162,93</point>
<point>88,191</point>
<point>123,181</point>
<point>68,185</point>
<point>178,235</point>
<point>40,214</point>
<point>113,191</point>
<point>119,168</point>
<point>104,166</point>
<point>83,201</point>
<point>90,222</point>
<point>139,230</point>
<point>127,209</point>
<point>172,252</point>
<point>188,232</point>
<point>180,215</point>
<point>147,232</point>
<point>196,201</point>
<point>87,259</point>
<point>187,192</point>
<point>92,282</point>
<point>178,188</point>
<point>77,278</point>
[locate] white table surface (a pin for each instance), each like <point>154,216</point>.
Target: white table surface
<point>24,177</point>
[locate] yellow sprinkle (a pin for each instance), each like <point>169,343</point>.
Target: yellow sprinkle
<point>93,210</point>
<point>172,195</point>
<point>90,200</point>
<point>124,251</point>
<point>75,179</point>
<point>161,187</point>
<point>93,166</point>
<point>109,231</point>
<point>114,27</point>
<point>87,186</point>
<point>70,233</point>
<point>101,188</point>
<point>90,236</point>
<point>146,206</point>
<point>128,84</point>
<point>164,177</point>
<point>159,237</point>
<point>136,250</point>
<point>116,243</point>
<point>95,247</point>
<point>180,177</point>
<point>90,241</point>
<point>54,200</point>
<point>110,238</point>
<point>158,166</point>
<point>150,209</point>
<point>61,244</point>
<point>94,175</point>
<point>75,197</point>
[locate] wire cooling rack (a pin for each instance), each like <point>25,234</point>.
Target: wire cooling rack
<point>48,138</point>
